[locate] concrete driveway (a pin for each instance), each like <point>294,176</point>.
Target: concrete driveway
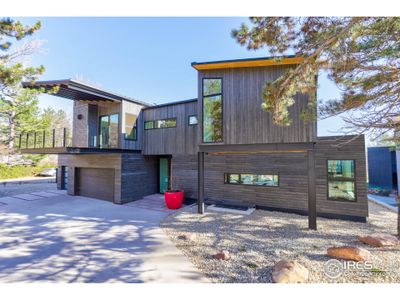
<point>60,238</point>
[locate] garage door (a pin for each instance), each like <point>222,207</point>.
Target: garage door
<point>95,183</point>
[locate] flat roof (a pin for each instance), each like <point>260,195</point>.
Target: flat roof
<point>172,103</point>
<point>77,90</point>
<point>248,62</point>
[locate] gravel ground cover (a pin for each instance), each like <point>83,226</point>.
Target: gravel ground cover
<point>258,241</point>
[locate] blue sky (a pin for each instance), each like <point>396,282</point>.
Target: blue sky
<point>145,58</point>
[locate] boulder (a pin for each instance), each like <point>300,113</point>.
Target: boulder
<point>289,271</point>
<point>349,253</point>
<point>379,240</point>
<point>187,237</point>
<point>223,255</point>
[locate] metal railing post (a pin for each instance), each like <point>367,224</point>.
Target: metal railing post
<point>20,141</point>
<point>64,136</point>
<point>27,140</point>
<point>54,138</point>
<point>34,140</point>
<point>44,138</point>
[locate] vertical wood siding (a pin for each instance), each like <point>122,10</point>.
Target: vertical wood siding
<point>177,140</point>
<point>245,122</point>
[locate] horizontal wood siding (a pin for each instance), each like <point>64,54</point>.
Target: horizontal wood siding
<point>108,161</point>
<point>138,176</point>
<point>326,148</point>
<point>292,193</point>
<point>178,140</point>
<point>245,122</point>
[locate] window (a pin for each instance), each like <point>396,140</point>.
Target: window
<point>341,180</point>
<point>164,123</point>
<point>193,120</point>
<point>212,110</point>
<point>149,125</point>
<point>252,179</point>
<point>130,127</point>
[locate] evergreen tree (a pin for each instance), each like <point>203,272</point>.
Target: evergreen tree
<point>360,54</point>
<point>18,106</point>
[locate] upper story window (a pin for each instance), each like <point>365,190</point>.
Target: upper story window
<point>130,127</point>
<point>212,110</point>
<point>341,180</point>
<point>163,123</point>
<point>193,120</point>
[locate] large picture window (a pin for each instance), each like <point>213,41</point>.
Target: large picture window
<point>212,110</point>
<point>341,180</point>
<point>252,179</point>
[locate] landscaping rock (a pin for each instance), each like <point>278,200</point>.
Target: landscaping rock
<point>289,271</point>
<point>187,237</point>
<point>223,255</point>
<point>349,253</point>
<point>379,240</point>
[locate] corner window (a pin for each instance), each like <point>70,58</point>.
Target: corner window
<point>193,120</point>
<point>130,127</point>
<point>341,180</point>
<point>252,179</point>
<point>212,110</point>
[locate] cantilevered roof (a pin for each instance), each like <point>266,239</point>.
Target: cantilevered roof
<point>248,62</point>
<point>76,90</point>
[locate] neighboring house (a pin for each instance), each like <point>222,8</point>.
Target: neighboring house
<point>382,167</point>
<point>220,147</point>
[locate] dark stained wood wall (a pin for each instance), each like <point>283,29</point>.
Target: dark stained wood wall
<point>292,193</point>
<point>245,122</point>
<point>326,148</point>
<point>178,140</point>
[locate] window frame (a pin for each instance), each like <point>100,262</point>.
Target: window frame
<point>136,131</point>
<point>156,121</point>
<point>226,176</point>
<point>329,179</point>
<point>202,109</point>
<point>197,119</point>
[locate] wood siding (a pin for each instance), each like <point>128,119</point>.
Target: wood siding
<point>181,139</point>
<point>244,121</point>
<point>292,192</point>
<point>326,148</point>
<point>108,161</point>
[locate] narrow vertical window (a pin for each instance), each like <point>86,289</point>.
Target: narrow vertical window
<point>212,110</point>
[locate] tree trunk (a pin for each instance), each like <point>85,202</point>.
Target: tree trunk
<point>12,134</point>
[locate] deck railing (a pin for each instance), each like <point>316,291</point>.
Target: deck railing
<point>54,138</point>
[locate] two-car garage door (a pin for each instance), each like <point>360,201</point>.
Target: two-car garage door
<point>95,183</point>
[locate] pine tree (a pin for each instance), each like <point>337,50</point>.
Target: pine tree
<point>360,54</point>
<point>19,109</point>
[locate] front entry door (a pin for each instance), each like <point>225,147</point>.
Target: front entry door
<point>164,175</point>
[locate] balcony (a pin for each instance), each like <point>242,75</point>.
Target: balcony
<point>60,141</point>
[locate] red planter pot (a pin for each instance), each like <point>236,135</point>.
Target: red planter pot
<point>173,199</point>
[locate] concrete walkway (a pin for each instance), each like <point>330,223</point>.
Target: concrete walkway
<point>51,237</point>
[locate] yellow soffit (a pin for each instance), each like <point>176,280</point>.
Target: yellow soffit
<point>248,63</point>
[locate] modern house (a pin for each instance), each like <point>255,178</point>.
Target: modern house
<point>221,147</point>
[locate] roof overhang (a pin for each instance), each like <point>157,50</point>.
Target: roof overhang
<point>248,63</point>
<point>75,90</point>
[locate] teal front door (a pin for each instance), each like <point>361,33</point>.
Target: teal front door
<point>164,174</point>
